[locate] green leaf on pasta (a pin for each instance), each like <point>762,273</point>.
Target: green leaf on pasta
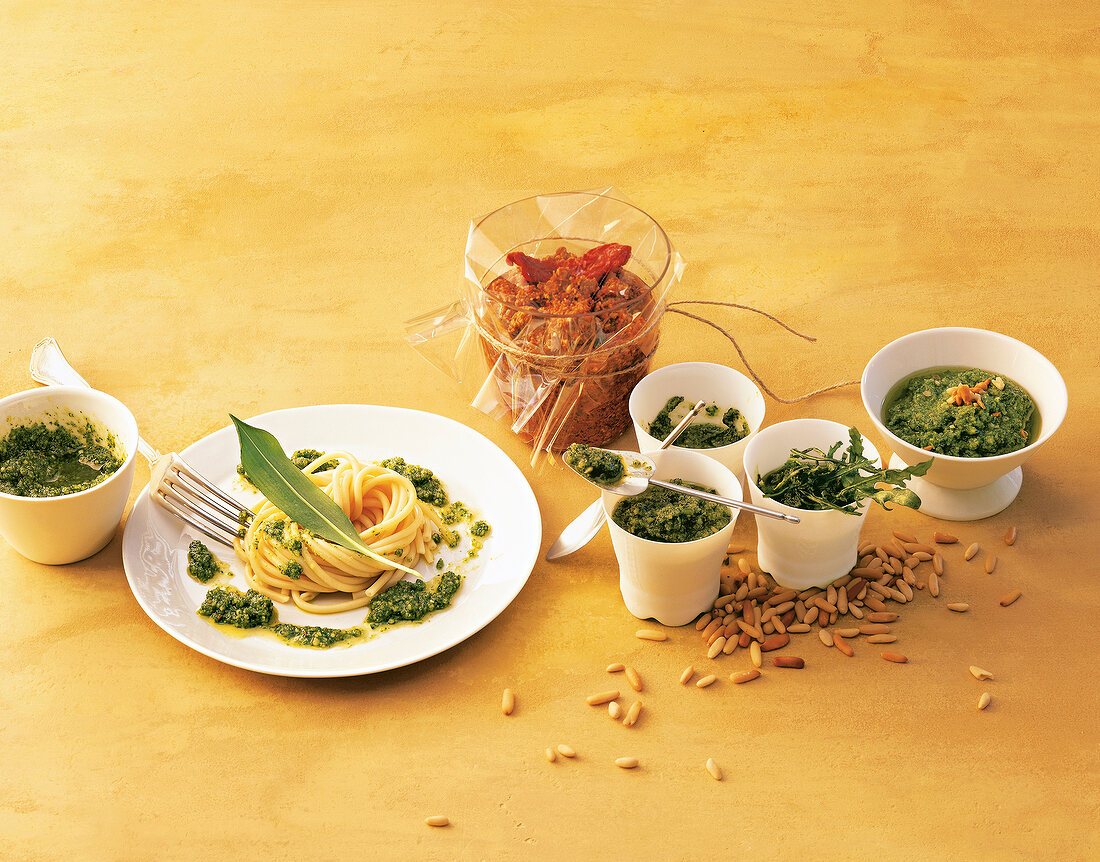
<point>278,479</point>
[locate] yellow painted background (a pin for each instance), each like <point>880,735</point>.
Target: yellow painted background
<point>222,207</point>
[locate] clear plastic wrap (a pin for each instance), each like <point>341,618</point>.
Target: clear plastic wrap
<point>555,359</point>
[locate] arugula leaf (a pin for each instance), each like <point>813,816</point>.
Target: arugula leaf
<point>278,479</point>
<point>819,480</point>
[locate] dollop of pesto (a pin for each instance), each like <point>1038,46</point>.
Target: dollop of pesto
<point>413,600</point>
<point>229,606</point>
<point>51,459</point>
<point>596,465</point>
<point>454,513</point>
<point>662,515</point>
<point>202,565</point>
<point>480,529</point>
<point>700,435</point>
<point>302,458</point>
<point>317,637</point>
<point>965,412</point>
<point>428,488</point>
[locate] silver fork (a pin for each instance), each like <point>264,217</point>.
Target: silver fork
<point>175,484</point>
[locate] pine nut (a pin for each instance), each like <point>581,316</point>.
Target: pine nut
<point>633,678</point>
<point>632,714</point>
<point>551,755</point>
<point>507,701</point>
<point>777,641</point>
<point>944,538</point>
<point>711,628</point>
<point>437,820</point>
<point>731,645</point>
<point>1010,598</point>
<point>703,682</point>
<point>743,565</point>
<point>566,750</point>
<point>687,674</point>
<point>958,607</point>
<point>731,548</point>
<point>842,645</point>
<point>651,635</point>
<point>715,648</point>
<point>923,556</point>
<point>882,617</point>
<point>615,710</point>
<point>812,615</point>
<point>937,564</point>
<point>745,676</point>
<point>702,622</point>
<point>789,661</point>
<point>713,769</point>
<point>601,698</point>
<point>984,700</point>
<point>971,551</point>
<point>874,603</point>
<point>754,653</point>
<point>825,637</point>
<point>1010,536</point>
<point>933,585</point>
<point>979,674</point>
<point>626,762</point>
<point>848,633</point>
<point>798,628</point>
<point>897,658</point>
<point>856,611</point>
<point>881,639</point>
<point>874,629</point>
<point>904,537</point>
<point>616,667</point>
<point>990,563</point>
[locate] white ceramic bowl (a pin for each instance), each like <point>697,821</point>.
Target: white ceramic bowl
<point>954,488</point>
<point>698,381</point>
<point>823,546</point>
<point>674,582</point>
<point>60,530</point>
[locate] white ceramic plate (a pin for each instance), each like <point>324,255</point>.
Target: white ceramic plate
<point>474,470</point>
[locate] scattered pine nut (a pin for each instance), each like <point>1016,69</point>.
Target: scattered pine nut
<point>882,639</point>
<point>602,698</point>
<point>716,647</point>
<point>848,633</point>
<point>633,678</point>
<point>437,820</point>
<point>896,658</point>
<point>702,622</point>
<point>615,710</point>
<point>551,755</point>
<point>984,700</point>
<point>979,674</point>
<point>972,551</point>
<point>944,538</point>
<point>745,676</point>
<point>958,607</point>
<point>651,635</point>
<point>882,617</point>
<point>704,681</point>
<point>626,762</point>
<point>567,751</point>
<point>616,667</point>
<point>507,701</point>
<point>1010,536</point>
<point>754,653</point>
<point>933,585</point>
<point>743,565</point>
<point>937,564</point>
<point>904,537</point>
<point>731,548</point>
<point>825,637</point>
<point>1010,598</point>
<point>990,563</point>
<point>713,769</point>
<point>632,714</point>
<point>874,629</point>
<point>791,661</point>
<point>842,645</point>
<point>688,673</point>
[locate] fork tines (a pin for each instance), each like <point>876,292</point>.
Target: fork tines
<point>193,498</point>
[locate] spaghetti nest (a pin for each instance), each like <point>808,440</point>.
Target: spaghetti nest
<point>291,564</point>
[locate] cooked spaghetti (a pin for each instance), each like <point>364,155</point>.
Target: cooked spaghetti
<point>290,564</point>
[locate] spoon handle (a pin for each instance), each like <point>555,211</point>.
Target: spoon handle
<point>725,501</point>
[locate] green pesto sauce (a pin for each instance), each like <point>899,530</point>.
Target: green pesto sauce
<point>409,601</point>
<point>596,465</point>
<point>52,459</point>
<point>919,410</point>
<point>317,637</point>
<point>202,565</point>
<point>700,435</point>
<point>454,513</point>
<point>302,458</point>
<point>480,529</point>
<point>661,515</point>
<point>428,488</point>
<point>229,606</point>
<point>292,570</point>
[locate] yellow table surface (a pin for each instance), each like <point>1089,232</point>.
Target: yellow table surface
<point>232,207</point>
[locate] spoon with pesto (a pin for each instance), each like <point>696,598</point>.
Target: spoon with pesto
<point>628,474</point>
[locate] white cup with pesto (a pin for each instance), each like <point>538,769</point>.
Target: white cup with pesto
<point>57,530</point>
<point>824,544</point>
<point>674,582</point>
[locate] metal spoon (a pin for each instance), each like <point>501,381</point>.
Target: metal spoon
<point>638,476</point>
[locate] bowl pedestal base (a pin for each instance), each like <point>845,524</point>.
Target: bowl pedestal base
<point>955,504</point>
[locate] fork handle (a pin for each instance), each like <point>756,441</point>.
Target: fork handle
<point>49,366</point>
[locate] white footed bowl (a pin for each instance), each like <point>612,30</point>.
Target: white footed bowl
<point>954,488</point>
<point>698,381</point>
<point>60,530</point>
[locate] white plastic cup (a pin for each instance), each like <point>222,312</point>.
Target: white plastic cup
<point>698,381</point>
<point>674,582</point>
<point>65,529</point>
<point>824,545</point>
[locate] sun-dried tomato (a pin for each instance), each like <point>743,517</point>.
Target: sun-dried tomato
<point>603,259</point>
<point>532,269</point>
